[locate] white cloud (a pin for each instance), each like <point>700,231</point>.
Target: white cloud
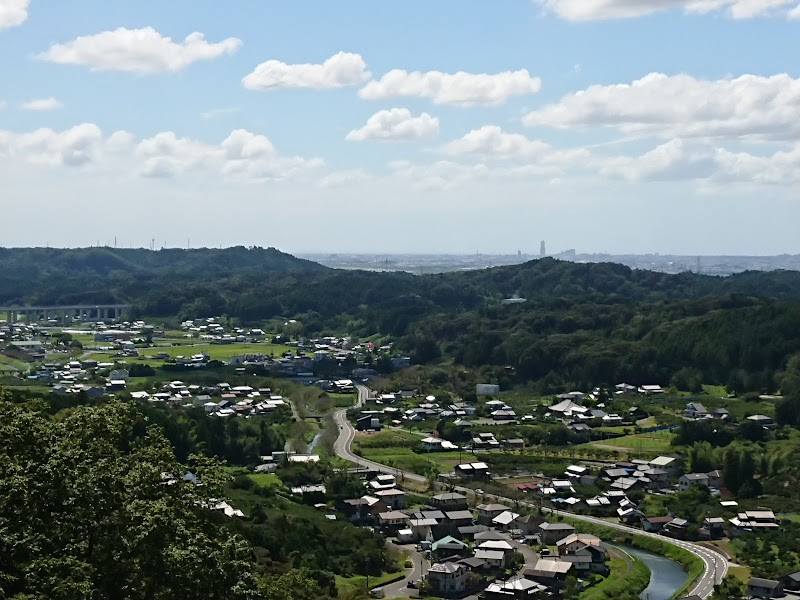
<point>242,156</point>
<point>42,104</point>
<point>682,106</point>
<point>340,70</point>
<point>395,124</point>
<point>343,178</point>
<point>679,160</point>
<point>73,147</point>
<point>137,51</point>
<point>459,89</point>
<point>491,140</point>
<point>593,10</point>
<point>13,13</point>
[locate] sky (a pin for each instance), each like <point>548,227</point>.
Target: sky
<point>446,126</point>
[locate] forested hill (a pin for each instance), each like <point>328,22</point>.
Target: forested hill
<point>63,276</point>
<point>258,283</point>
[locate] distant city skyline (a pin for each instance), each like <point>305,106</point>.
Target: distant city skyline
<point>447,127</point>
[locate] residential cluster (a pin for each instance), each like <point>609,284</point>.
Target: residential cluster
<point>488,550</point>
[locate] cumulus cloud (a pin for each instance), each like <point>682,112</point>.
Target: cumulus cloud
<point>395,124</point>
<point>682,106</point>
<point>491,140</point>
<point>72,147</point>
<point>343,178</point>
<point>243,155</point>
<point>594,10</point>
<point>340,70</point>
<point>42,104</point>
<point>13,13</point>
<point>137,51</point>
<point>679,160</point>
<point>458,89</point>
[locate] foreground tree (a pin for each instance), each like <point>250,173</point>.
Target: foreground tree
<point>93,505</point>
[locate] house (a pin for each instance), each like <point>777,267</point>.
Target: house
<point>458,518</point>
<point>529,524</point>
<point>670,464</point>
<point>422,529</point>
<point>549,571</point>
<point>449,501</point>
<point>654,524</point>
<point>651,389</point>
<point>715,526</point>
<point>690,480</point>
<point>550,533</point>
<point>584,551</point>
<point>432,444</point>
<point>695,410</point>
<point>567,408</point>
<point>764,588</point>
<point>676,528</point>
<point>368,423</point>
<point>754,520</point>
<point>468,532</point>
<point>721,413</point>
<point>478,471</point>
<point>448,546</point>
<point>762,420</point>
<point>448,578</point>
<point>495,559</point>
<point>394,498</point>
<point>393,520</point>
<point>516,588</point>
<point>487,512</point>
<point>791,581</point>
<point>501,545</point>
<point>505,521</point>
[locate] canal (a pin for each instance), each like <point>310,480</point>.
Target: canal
<point>666,576</point>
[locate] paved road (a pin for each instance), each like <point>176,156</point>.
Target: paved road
<point>400,589</point>
<point>716,566</point>
<point>346,434</point>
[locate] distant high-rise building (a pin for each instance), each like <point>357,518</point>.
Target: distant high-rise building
<point>542,252</point>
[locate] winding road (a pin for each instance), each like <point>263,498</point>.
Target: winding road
<point>715,565</point>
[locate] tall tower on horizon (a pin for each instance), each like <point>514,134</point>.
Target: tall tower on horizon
<point>542,252</point>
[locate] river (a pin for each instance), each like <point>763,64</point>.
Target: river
<point>666,576</point>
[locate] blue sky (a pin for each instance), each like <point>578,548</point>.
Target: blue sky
<point>671,126</point>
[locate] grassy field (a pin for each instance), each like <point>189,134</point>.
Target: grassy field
<point>406,459</point>
<point>266,480</point>
<point>348,585</point>
<point>218,351</point>
<point>16,365</point>
<point>342,400</point>
<point>649,442</point>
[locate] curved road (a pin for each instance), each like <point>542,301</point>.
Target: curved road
<point>716,565</point>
